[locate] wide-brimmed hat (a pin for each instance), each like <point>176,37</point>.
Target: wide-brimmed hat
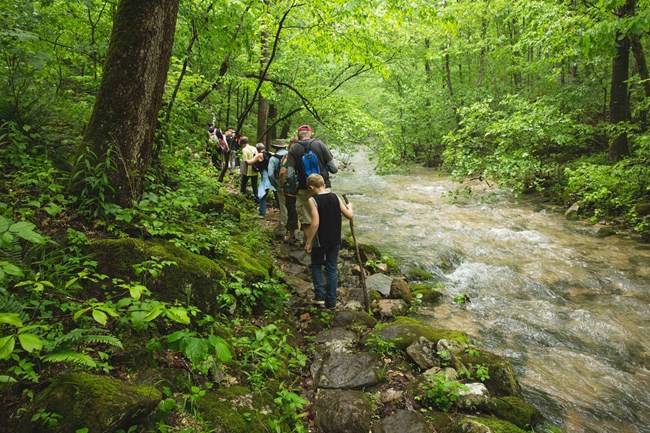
<point>279,143</point>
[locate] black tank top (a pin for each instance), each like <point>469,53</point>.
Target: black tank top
<point>329,213</point>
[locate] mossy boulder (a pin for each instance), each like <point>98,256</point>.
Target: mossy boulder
<point>399,289</point>
<point>428,293</point>
<point>101,404</point>
<point>516,411</point>
<point>236,410</point>
<point>194,276</point>
<point>404,331</point>
<point>416,273</point>
<point>502,381</point>
<point>253,265</point>
<point>472,424</point>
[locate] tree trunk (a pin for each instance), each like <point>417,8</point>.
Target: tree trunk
<point>124,117</point>
<point>642,66</point>
<point>619,103</point>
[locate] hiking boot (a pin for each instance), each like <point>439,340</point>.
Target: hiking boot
<point>318,302</point>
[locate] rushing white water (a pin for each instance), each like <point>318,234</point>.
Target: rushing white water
<point>571,311</point>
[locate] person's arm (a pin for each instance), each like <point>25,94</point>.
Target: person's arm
<point>313,227</point>
<point>330,164</point>
<point>282,176</point>
<point>346,210</point>
<point>256,158</point>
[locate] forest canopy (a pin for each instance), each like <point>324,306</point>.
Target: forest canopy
<point>537,95</point>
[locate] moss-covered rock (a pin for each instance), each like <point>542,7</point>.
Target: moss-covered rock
<point>428,293</point>
<point>502,381</point>
<point>404,331</point>
<point>443,422</point>
<point>416,273</point>
<point>471,424</point>
<point>399,289</point>
<point>194,277</point>
<point>252,265</point>
<point>101,404</point>
<point>236,410</point>
<point>515,411</point>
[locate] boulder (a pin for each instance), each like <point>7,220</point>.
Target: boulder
<point>423,353</point>
<point>472,424</point>
<point>353,319</point>
<point>342,411</point>
<point>337,339</point>
<point>101,404</point>
<point>404,331</point>
<point>502,381</point>
<point>399,289</point>
<point>475,397</point>
<point>573,212</point>
<point>349,370</point>
<point>428,293</point>
<point>403,421</point>
<point>389,307</point>
<point>193,276</point>
<point>516,411</point>
<point>379,283</point>
<point>236,410</point>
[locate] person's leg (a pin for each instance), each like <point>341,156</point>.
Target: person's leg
<point>242,185</point>
<point>263,204</point>
<point>332,275</point>
<point>303,209</point>
<point>254,185</point>
<point>282,205</point>
<point>292,216</point>
<point>317,259</point>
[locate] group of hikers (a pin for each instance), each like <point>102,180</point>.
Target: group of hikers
<point>298,174</point>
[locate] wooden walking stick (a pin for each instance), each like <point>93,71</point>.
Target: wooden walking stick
<point>361,268</point>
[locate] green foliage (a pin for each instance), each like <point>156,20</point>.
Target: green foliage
<point>204,353</point>
<point>290,406</point>
<point>608,191</point>
<point>382,347</point>
<point>247,298</point>
<point>441,392</point>
<point>268,352</point>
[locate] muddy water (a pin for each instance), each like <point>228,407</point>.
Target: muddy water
<point>571,311</point>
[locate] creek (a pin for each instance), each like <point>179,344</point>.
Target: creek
<point>569,310</point>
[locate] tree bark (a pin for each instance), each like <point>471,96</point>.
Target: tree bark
<point>124,117</point>
<point>619,103</point>
<point>642,67</point>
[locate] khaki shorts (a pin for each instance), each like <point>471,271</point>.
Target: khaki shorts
<point>302,206</point>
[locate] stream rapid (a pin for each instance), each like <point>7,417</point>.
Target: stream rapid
<point>569,310</point>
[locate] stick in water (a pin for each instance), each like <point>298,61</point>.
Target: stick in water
<point>361,268</point>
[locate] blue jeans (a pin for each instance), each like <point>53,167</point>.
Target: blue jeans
<point>328,256</point>
<point>263,203</point>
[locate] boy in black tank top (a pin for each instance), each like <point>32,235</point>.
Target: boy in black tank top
<point>324,239</point>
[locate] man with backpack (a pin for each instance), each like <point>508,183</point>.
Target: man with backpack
<point>306,157</point>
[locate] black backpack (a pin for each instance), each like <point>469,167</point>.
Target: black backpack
<point>264,163</point>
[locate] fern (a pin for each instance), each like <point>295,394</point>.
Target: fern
<point>9,304</point>
<point>70,357</point>
<point>83,336</point>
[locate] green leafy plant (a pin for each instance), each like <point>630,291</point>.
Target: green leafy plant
<point>441,392</point>
<point>382,347</point>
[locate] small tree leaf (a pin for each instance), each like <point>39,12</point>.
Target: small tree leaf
<point>7,345</point>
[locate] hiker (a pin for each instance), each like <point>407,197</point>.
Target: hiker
<point>246,169</point>
<point>260,164</point>
<point>324,239</point>
<point>275,164</point>
<point>233,145</point>
<point>295,166</point>
<point>290,189</point>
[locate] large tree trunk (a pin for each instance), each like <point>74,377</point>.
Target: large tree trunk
<point>619,103</point>
<point>124,117</point>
